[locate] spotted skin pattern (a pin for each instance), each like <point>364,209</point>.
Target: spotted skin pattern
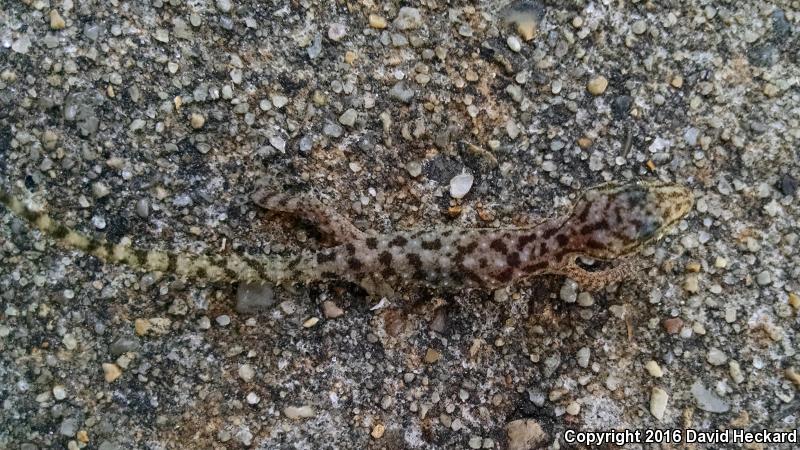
<point>610,222</point>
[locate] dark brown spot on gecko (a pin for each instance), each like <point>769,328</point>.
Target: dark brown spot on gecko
<point>526,239</point>
<point>499,246</point>
<point>414,260</point>
<point>200,272</point>
<point>398,241</point>
<point>482,262</point>
<point>505,275</point>
<point>385,258</point>
<point>93,245</point>
<point>594,244</point>
<point>513,259</point>
<point>388,272</point>
<point>562,239</point>
<point>548,233</point>
<point>323,257</point>
<point>354,263</point>
<point>535,267</point>
<point>60,232</point>
<point>351,249</point>
<point>473,276</point>
<point>583,214</point>
<point>372,243</point>
<point>141,255</point>
<point>435,244</point>
<point>172,262</point>
<point>542,249</point>
<point>230,273</point>
<point>592,227</point>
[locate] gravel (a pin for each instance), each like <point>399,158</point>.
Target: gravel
<point>151,123</point>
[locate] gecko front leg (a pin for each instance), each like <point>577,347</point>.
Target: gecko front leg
<point>330,222</point>
<point>594,281</point>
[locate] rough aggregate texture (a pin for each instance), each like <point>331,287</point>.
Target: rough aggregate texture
<point>154,122</point>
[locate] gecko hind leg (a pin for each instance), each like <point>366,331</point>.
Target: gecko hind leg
<point>594,281</point>
<point>305,206</point>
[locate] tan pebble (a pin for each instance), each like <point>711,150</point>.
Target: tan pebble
<point>693,267</point>
<point>83,436</point>
<point>673,325</point>
<point>526,29</point>
<point>310,322</point>
<point>350,57</point>
<point>111,372</point>
<point>794,300</point>
<point>377,22</point>
<point>658,402</point>
<point>378,430</point>
<point>475,347</point>
<point>56,21</point>
<point>525,434</point>
<point>299,412</point>
<point>431,356</point>
<point>140,326</point>
<point>198,121</point>
<point>651,166</point>
<point>720,262</point>
<point>154,326</point>
<point>331,310</point>
<point>770,90</point>
<point>741,421</point>
<point>574,408</point>
<point>584,142</point>
<point>454,211</point>
<point>676,81</point>
<point>577,21</point>
<point>654,369</point>
<point>691,284</point>
<point>597,85</point>
<point>792,376</point>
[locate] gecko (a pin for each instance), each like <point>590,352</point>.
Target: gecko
<point>611,222</point>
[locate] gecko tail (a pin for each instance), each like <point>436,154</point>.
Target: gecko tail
<point>217,268</point>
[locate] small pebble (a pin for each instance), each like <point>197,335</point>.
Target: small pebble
<point>574,408</point>
<point>377,22</point>
<point>59,392</point>
<point>654,369</point>
<point>310,322</point>
<point>378,430</point>
<point>331,310</point>
<point>764,278</point>
<point>223,320</point>
<point>197,121</point>
<point>716,357</point>
<point>348,118</point>
<point>658,402</point>
<point>298,412</point>
<point>597,85</point>
<point>56,21</point>
<point>336,32</point>
<point>246,372</point>
<point>513,43</point>
<point>111,372</point>
<point>460,185</point>
<point>100,190</point>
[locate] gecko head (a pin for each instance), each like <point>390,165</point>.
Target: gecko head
<point>613,220</point>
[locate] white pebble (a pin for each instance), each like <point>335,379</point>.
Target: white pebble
<point>460,185</point>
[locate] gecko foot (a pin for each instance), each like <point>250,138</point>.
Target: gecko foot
<point>309,208</point>
<point>594,281</point>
